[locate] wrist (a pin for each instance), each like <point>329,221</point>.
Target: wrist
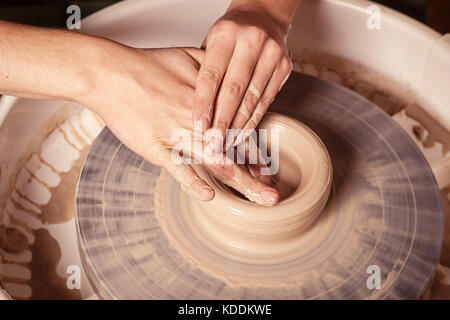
<point>282,13</point>
<point>91,72</point>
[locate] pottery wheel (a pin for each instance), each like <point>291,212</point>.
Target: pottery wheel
<point>384,211</point>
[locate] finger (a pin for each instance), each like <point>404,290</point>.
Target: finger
<point>239,178</point>
<point>252,151</point>
<point>196,54</point>
<point>236,79</point>
<point>275,84</point>
<point>277,80</point>
<point>255,161</point>
<point>187,177</point>
<point>255,171</point>
<point>252,157</point>
<point>245,153</point>
<point>217,57</point>
<point>261,75</point>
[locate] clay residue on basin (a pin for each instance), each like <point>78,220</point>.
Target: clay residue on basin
<point>41,208</point>
<point>384,92</point>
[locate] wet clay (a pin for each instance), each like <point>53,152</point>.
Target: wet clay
<point>249,232</point>
<point>46,255</point>
<point>61,206</point>
<point>45,283</point>
<point>12,240</point>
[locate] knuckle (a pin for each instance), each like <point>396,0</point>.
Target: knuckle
<point>234,88</point>
<point>224,26</point>
<point>253,123</point>
<point>223,123</point>
<point>273,47</point>
<point>256,33</point>
<point>249,185</point>
<point>259,115</point>
<point>251,44</point>
<point>203,103</point>
<point>223,172</point>
<point>209,75</point>
<point>240,118</point>
<point>250,100</point>
<point>265,102</point>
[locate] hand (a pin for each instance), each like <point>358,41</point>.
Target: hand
<point>245,65</point>
<point>144,96</point>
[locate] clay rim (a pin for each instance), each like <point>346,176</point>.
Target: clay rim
<point>288,208</point>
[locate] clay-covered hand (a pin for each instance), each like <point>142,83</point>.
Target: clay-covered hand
<point>144,96</point>
<point>245,65</point>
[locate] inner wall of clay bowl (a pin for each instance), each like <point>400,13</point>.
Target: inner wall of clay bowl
<point>285,182</point>
<point>287,178</point>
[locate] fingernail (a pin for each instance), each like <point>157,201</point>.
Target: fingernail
<point>206,193</point>
<point>269,197</point>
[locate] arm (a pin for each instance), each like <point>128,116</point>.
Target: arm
<point>142,109</point>
<point>46,63</point>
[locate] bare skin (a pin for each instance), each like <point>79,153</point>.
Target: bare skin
<point>245,65</point>
<point>141,108</point>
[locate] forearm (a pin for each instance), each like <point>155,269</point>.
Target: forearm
<point>46,63</point>
<point>283,11</point>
